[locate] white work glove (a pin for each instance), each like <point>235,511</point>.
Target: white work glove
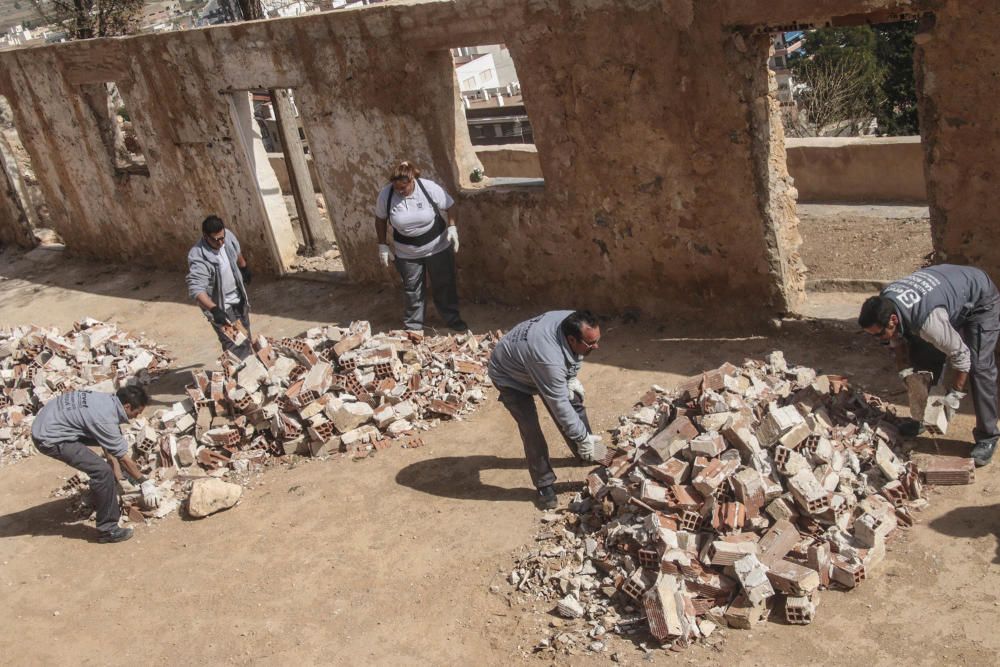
<point>384,254</point>
<point>150,494</point>
<point>453,237</point>
<point>589,448</point>
<point>905,373</point>
<point>576,387</point>
<point>951,401</point>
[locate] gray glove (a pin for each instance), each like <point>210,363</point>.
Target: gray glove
<point>576,387</point>
<point>150,494</point>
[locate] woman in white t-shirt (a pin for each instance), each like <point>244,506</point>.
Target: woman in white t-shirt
<point>424,242</point>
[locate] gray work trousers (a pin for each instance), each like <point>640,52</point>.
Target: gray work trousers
<point>414,272</point>
<point>103,486</point>
<point>980,333</point>
<point>241,314</point>
<point>522,407</point>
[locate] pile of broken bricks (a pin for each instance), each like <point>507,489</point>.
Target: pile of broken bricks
<point>330,392</point>
<point>37,364</point>
<point>741,493</point>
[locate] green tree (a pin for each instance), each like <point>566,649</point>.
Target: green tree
<point>841,81</point>
<point>897,115</point>
<point>851,75</point>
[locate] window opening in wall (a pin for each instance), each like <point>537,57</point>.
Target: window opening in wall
<point>496,114</point>
<point>118,132</point>
<point>18,176</point>
<point>848,99</point>
<point>284,140</point>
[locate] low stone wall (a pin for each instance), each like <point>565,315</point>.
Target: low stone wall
<point>510,161</point>
<point>847,170</point>
<point>858,169</point>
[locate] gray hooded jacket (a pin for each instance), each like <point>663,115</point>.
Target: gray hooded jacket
<point>203,270</point>
<point>534,358</point>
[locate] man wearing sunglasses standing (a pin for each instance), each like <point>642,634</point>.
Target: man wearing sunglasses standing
<point>543,356</point>
<point>217,279</point>
<point>957,310</point>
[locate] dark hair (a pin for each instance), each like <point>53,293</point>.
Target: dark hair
<point>573,325</point>
<point>876,310</point>
<point>133,395</point>
<point>212,225</point>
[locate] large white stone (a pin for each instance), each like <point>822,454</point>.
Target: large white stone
<point>348,416</point>
<point>209,496</point>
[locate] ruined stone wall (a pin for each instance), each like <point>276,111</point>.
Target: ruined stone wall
<point>665,179</point>
<point>959,58</point>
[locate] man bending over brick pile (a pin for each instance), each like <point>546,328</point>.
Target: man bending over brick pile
<point>66,424</point>
<point>543,356</point>
<point>957,310</point>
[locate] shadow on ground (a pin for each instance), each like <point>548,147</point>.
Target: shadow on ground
<point>926,444</point>
<point>459,477</point>
<point>971,522</point>
<point>55,517</point>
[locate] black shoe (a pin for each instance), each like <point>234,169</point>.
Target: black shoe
<point>459,325</point>
<point>910,428</point>
<point>547,499</point>
<point>117,534</point>
<point>983,451</point>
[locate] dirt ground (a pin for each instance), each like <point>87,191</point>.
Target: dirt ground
<point>863,242</point>
<point>391,560</point>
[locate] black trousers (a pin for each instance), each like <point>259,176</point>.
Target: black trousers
<point>414,272</point>
<point>241,314</point>
<point>103,486</point>
<point>980,332</point>
<point>521,406</point>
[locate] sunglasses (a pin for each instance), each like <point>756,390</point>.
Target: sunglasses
<point>590,345</point>
<point>216,239</point>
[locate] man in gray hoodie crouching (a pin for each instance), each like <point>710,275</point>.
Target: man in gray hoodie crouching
<point>543,356</point>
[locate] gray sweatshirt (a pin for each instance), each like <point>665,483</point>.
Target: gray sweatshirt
<point>534,358</point>
<point>203,270</point>
<point>82,415</point>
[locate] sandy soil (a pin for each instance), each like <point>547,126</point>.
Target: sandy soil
<point>863,242</point>
<point>391,560</point>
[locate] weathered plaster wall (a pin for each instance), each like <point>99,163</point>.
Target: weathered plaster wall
<point>858,169</point>
<point>665,180</point>
<point>960,124</point>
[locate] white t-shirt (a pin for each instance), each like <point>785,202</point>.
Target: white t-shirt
<point>413,216</point>
<point>229,289</point>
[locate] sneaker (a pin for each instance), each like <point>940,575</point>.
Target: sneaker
<point>983,451</point>
<point>459,325</point>
<point>547,499</point>
<point>117,534</point>
<point>910,428</point>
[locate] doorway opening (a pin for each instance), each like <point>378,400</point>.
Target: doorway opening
<point>848,99</point>
<point>284,138</point>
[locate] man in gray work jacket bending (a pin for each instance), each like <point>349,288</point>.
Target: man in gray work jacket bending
<point>543,356</point>
<point>957,310</point>
<point>64,426</point>
<point>217,279</point>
